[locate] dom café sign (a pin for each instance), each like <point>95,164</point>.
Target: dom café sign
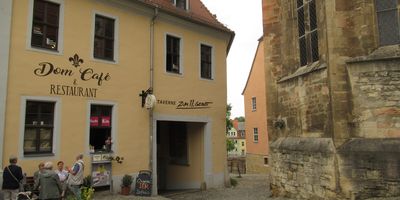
<point>80,74</point>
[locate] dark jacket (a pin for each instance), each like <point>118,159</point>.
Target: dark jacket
<point>8,180</point>
<point>49,185</point>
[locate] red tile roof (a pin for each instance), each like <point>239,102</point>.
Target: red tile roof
<point>197,12</point>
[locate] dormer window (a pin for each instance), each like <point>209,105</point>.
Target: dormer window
<point>183,4</point>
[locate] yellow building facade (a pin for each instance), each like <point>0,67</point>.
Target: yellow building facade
<point>71,76</point>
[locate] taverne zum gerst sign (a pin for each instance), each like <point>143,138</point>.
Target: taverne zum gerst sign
<point>78,73</point>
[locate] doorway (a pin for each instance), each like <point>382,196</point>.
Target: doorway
<point>180,155</point>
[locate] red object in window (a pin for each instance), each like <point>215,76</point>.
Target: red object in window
<point>105,121</point>
<point>94,121</point>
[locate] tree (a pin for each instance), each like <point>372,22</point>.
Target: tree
<point>240,119</point>
<point>228,117</point>
<point>229,145</point>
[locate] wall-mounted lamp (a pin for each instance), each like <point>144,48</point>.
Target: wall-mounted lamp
<point>148,99</point>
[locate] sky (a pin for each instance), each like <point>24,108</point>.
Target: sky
<point>245,18</point>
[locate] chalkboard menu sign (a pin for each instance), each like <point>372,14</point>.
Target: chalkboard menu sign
<point>143,183</point>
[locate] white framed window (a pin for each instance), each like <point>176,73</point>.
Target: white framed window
<point>255,135</point>
<point>102,124</point>
<point>39,127</point>
<point>253,104</point>
<point>173,54</point>
<point>105,38</point>
<point>183,4</point>
<point>45,26</point>
<point>206,61</point>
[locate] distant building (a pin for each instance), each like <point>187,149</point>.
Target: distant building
<point>232,133</point>
<point>256,115</point>
<point>241,138</point>
<point>237,136</point>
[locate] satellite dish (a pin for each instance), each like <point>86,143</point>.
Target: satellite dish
<point>150,101</point>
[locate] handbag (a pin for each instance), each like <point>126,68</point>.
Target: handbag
<point>21,185</point>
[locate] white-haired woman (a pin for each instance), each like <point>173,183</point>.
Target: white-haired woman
<point>49,183</point>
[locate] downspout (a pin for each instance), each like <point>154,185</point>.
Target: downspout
<point>153,140</point>
<point>152,22</point>
<point>5,35</point>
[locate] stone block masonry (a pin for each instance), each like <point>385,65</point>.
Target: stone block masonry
<point>375,90</point>
<point>303,168</point>
<point>370,168</point>
<point>334,122</point>
<point>312,168</point>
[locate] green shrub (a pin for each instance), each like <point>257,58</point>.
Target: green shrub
<point>127,180</point>
<point>87,193</point>
<point>87,181</point>
<point>70,197</point>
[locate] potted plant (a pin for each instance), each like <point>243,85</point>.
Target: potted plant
<point>126,184</point>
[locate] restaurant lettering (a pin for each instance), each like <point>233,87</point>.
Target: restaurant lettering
<point>82,74</point>
<point>72,91</point>
<point>191,104</point>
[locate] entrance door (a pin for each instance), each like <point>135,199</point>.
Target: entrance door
<point>179,155</point>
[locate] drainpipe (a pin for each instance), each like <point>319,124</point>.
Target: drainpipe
<point>153,140</point>
<point>5,34</point>
<point>152,22</point>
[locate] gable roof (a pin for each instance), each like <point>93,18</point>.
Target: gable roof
<point>197,13</point>
<point>252,65</point>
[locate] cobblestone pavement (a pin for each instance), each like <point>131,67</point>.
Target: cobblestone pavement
<point>249,187</point>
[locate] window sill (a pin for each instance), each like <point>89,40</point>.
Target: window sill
<point>114,62</point>
<point>304,70</point>
<point>206,79</point>
<point>101,152</point>
<point>382,53</point>
<point>44,50</point>
<point>174,74</point>
<point>39,155</point>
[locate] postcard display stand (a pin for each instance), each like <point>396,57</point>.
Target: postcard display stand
<point>101,170</point>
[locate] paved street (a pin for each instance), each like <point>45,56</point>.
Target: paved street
<point>249,187</point>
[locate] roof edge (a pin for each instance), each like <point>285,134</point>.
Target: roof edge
<point>196,20</point>
<point>252,65</point>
